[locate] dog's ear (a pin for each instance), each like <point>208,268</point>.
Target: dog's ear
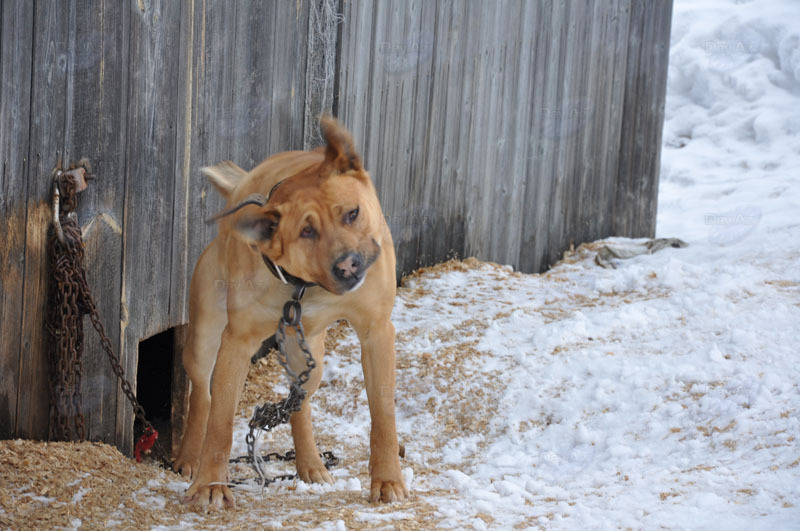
<point>339,152</point>
<point>258,228</point>
<point>224,176</point>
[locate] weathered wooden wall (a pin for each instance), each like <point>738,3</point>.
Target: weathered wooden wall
<point>149,91</point>
<point>503,129</point>
<point>507,129</point>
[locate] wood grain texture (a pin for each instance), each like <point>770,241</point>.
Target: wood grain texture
<point>506,130</point>
<point>16,49</point>
<point>180,392</point>
<point>238,111</point>
<point>150,181</point>
<point>47,139</point>
<point>208,126</point>
<point>97,99</point>
<point>322,36</point>
<point>643,118</point>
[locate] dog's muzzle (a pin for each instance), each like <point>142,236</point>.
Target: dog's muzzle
<point>349,270</point>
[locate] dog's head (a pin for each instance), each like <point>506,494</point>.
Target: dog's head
<point>324,224</point>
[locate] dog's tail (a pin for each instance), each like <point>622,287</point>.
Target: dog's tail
<point>224,176</point>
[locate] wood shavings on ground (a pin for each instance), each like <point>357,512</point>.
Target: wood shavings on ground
<point>93,486</point>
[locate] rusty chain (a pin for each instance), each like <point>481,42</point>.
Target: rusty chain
<point>69,301</point>
<point>66,310</point>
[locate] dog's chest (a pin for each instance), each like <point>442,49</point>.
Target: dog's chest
<point>318,309</point>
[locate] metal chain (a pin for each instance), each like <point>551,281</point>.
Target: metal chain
<point>73,300</point>
<point>330,461</point>
<point>66,310</point>
<point>268,415</point>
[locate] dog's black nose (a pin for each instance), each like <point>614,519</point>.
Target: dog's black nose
<point>347,268</point>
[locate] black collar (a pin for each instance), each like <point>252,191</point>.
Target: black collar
<point>285,276</point>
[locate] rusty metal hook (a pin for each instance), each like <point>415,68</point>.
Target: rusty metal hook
<point>80,175</point>
<point>56,206</point>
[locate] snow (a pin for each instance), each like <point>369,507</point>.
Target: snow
<point>81,492</point>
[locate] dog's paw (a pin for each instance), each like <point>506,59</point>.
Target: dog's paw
<point>388,491</point>
<point>314,474</point>
<point>218,496</point>
<point>186,468</point>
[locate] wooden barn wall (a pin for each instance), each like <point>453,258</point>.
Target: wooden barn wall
<point>504,130</point>
<point>508,129</point>
<point>149,91</point>
<point>16,44</point>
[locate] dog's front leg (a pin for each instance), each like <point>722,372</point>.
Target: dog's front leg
<point>377,361</point>
<point>310,467</point>
<point>230,372</point>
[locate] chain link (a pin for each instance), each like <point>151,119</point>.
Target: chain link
<point>268,415</point>
<point>66,309</point>
<point>70,301</point>
<point>330,461</point>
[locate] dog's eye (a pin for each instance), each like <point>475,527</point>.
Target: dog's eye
<point>308,232</point>
<point>351,216</point>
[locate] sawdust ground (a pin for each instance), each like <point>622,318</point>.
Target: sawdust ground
<point>49,485</point>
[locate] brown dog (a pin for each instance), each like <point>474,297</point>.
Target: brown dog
<point>321,223</point>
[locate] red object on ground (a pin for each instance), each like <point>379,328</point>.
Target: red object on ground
<point>145,443</point>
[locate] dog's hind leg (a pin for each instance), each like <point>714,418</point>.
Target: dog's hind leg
<point>207,320</point>
<point>310,467</point>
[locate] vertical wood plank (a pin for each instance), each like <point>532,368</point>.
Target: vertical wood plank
<point>357,40</point>
<point>150,179</point>
<point>479,158</point>
<point>184,126</point>
<point>96,131</point>
<point>536,214</point>
<point>47,130</point>
<point>16,58</point>
<point>180,391</point>
<point>643,117</point>
<point>409,75</point>
<point>576,89</point>
<point>441,220</point>
<point>605,125</point>
<point>213,127</point>
<point>268,79</point>
<point>514,90</point>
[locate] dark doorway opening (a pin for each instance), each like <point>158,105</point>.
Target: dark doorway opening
<point>154,384</point>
